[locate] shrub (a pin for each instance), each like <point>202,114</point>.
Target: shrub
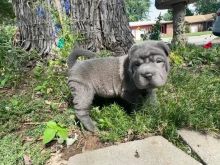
<point>197,55</point>
<point>156,30</point>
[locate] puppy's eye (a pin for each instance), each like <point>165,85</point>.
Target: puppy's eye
<point>137,64</point>
<point>159,60</point>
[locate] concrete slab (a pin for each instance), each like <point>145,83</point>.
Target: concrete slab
<point>151,151</point>
<point>206,146</point>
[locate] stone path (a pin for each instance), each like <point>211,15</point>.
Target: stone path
<point>154,150</point>
<point>206,146</point>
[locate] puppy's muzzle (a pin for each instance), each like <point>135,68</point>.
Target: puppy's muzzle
<point>148,75</point>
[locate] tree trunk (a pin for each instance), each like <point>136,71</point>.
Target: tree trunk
<point>179,12</point>
<point>104,25</point>
<point>34,25</point>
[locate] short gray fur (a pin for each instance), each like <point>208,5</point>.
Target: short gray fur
<point>131,77</point>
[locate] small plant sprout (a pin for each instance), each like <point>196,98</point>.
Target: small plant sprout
<point>54,130</point>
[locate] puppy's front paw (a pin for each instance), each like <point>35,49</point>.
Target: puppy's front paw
<point>89,124</point>
<point>91,127</point>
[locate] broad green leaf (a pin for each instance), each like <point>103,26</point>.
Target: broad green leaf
<point>61,126</point>
<point>49,135</point>
<point>52,124</point>
<point>62,133</point>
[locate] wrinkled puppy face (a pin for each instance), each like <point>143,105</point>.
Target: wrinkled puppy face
<point>149,65</point>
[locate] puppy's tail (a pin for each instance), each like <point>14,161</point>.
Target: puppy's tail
<point>77,52</point>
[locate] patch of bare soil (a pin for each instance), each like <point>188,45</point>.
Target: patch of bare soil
<point>56,159</point>
<point>86,142</point>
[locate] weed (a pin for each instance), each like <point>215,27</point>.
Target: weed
<point>53,129</point>
<point>51,80</point>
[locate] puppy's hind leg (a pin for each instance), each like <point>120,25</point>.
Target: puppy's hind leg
<point>82,100</point>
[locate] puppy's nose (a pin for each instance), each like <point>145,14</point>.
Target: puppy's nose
<point>148,75</point>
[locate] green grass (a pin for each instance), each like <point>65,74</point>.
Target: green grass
<point>26,109</point>
<point>191,99</point>
<point>190,34</point>
<point>199,33</point>
<point>29,99</point>
<point>12,151</point>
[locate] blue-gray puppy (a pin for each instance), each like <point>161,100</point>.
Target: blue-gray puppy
<point>130,76</point>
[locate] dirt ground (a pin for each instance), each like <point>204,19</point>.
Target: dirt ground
<point>86,142</point>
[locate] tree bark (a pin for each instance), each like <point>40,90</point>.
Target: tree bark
<point>179,12</point>
<point>104,25</point>
<point>35,30</point>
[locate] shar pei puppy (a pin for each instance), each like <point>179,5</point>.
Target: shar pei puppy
<point>130,77</point>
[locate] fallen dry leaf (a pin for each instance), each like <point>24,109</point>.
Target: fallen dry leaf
<point>70,141</point>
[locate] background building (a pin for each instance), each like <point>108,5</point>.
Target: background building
<point>195,23</point>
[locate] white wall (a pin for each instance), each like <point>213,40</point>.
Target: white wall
<point>137,34</point>
<point>194,28</point>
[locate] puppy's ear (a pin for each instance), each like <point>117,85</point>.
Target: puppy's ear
<point>131,54</point>
<point>165,47</point>
<point>132,50</point>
